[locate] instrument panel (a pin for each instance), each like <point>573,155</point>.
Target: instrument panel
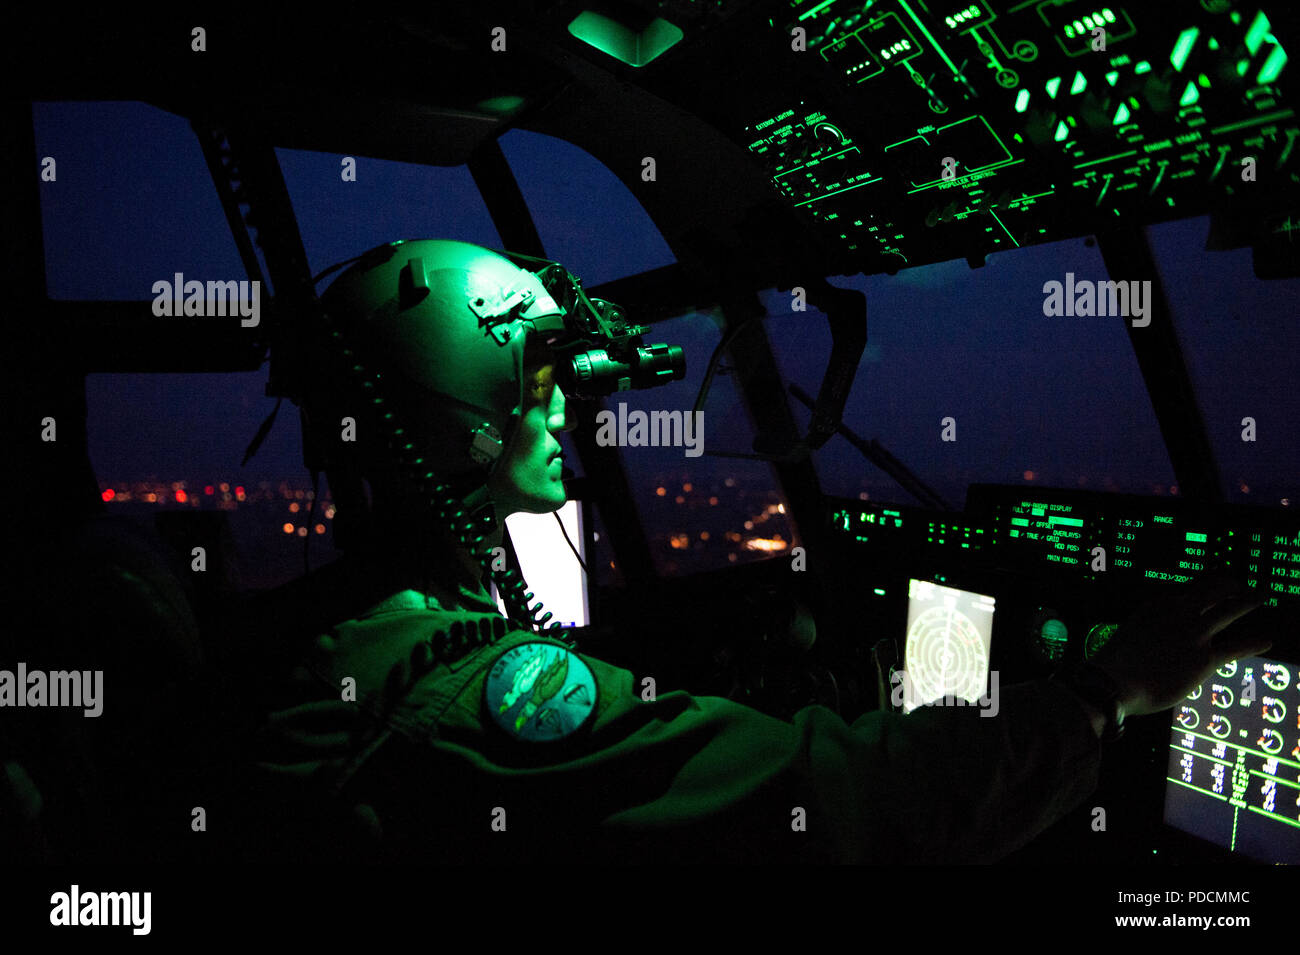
<point>1136,539</point>
<point>1087,536</point>
<point>1063,567</point>
<point>912,132</point>
<point>1234,761</point>
<point>1075,561</point>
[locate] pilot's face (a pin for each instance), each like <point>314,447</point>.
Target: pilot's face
<point>527,478</point>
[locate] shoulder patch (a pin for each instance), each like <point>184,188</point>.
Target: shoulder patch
<point>539,692</point>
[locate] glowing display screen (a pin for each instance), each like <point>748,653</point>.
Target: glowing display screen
<point>1053,531</point>
<point>1267,559</point>
<point>1127,538</point>
<point>1234,760</point>
<point>904,531</point>
<point>549,565</point>
<point>949,633</point>
<point>1159,544</point>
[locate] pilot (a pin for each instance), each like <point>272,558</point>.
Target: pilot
<point>421,725</point>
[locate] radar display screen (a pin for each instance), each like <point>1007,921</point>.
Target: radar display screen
<point>1234,760</point>
<point>949,632</point>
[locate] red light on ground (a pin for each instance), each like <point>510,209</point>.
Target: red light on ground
<point>108,494</point>
<point>181,497</point>
<point>209,490</point>
<point>239,489</point>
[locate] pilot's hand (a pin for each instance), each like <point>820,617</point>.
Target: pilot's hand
<point>1170,646</point>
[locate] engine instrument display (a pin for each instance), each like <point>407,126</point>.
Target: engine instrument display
<point>1234,761</point>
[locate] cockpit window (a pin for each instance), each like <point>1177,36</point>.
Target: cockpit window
<point>126,200</point>
<point>388,200</point>
<point>585,217</point>
<point>700,511</point>
<point>965,379</point>
<point>1240,341</point>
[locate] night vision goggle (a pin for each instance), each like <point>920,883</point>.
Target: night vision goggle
<point>598,351</point>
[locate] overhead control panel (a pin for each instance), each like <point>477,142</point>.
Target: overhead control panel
<point>911,132</point>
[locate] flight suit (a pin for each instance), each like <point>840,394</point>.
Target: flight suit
<point>419,767</point>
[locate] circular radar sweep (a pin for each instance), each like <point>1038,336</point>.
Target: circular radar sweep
<point>946,656</point>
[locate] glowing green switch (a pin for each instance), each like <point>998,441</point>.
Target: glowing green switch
<point>1272,66</point>
<point>1183,47</point>
<point>1255,35</point>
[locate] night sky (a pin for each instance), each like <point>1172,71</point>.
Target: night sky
<point>1061,397</point>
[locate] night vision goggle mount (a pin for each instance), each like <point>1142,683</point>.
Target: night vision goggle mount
<point>598,352</point>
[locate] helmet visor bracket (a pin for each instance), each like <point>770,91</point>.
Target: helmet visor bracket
<point>599,352</point>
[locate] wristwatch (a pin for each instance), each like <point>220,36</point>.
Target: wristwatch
<point>1100,690</point>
